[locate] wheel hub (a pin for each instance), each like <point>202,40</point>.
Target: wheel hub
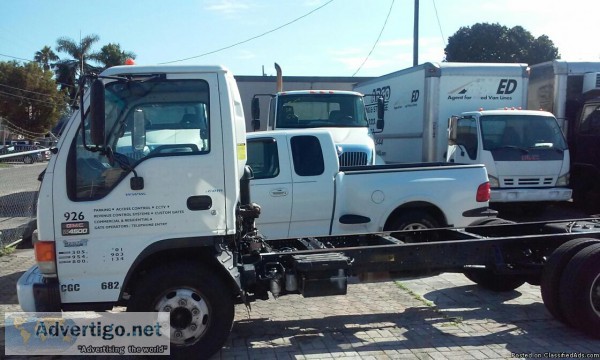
<point>189,315</point>
<point>595,295</point>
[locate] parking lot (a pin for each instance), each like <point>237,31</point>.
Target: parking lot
<point>439,317</point>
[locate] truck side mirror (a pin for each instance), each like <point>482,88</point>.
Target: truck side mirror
<point>452,127</point>
<point>255,108</point>
<point>138,135</point>
<point>380,112</point>
<point>97,112</point>
<point>255,125</point>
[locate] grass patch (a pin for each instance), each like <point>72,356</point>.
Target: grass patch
<point>450,320</point>
<point>6,250</point>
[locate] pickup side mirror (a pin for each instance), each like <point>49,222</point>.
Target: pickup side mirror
<point>97,112</point>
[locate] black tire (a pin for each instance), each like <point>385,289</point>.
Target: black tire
<point>411,220</point>
<point>203,321</point>
<point>580,291</point>
<point>553,271</point>
<point>494,282</point>
<point>27,159</point>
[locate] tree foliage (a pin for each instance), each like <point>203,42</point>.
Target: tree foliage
<point>495,43</point>
<point>112,55</point>
<point>69,69</point>
<point>29,98</point>
<point>45,57</point>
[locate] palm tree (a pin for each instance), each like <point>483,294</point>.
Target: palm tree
<point>44,57</point>
<point>112,55</point>
<point>69,70</point>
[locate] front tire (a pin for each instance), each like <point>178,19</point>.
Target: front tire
<point>200,304</point>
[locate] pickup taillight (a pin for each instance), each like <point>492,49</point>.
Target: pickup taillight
<point>483,192</point>
<point>45,256</point>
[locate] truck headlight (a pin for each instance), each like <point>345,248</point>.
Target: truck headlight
<point>563,180</point>
<point>494,183</point>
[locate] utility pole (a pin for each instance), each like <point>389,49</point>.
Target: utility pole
<point>416,35</point>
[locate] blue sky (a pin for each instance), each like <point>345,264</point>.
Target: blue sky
<point>331,41</point>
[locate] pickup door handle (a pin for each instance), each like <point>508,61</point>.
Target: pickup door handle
<point>279,192</point>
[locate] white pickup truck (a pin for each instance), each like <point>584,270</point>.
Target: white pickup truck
<point>303,191</point>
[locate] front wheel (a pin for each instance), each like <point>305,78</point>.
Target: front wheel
<point>201,307</point>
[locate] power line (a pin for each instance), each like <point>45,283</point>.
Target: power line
<point>3,93</point>
<point>376,41</point>
<point>29,91</point>
<point>250,39</point>
<point>439,23</point>
<point>16,58</point>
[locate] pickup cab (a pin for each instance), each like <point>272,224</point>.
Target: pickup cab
<point>303,191</point>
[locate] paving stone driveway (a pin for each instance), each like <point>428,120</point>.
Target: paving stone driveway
<point>440,317</point>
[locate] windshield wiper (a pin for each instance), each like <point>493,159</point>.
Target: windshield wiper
<point>523,150</point>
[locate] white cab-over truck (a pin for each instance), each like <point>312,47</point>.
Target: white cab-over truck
<point>524,152</point>
<point>420,100</point>
<point>342,113</point>
<point>168,224</point>
<point>303,191</point>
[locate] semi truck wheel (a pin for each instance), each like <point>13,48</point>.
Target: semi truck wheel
<point>494,282</point>
<point>579,291</point>
<point>201,307</point>
<point>553,271</point>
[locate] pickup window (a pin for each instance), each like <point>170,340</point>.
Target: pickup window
<point>307,155</point>
<point>263,158</point>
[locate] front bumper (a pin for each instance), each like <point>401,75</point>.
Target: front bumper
<point>525,195</point>
<point>36,293</point>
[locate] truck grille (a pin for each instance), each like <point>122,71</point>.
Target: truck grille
<point>353,158</point>
<point>527,181</point>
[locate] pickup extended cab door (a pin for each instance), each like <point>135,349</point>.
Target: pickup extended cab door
<point>271,187</point>
<point>313,179</point>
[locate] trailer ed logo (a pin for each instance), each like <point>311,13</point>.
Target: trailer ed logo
<point>469,90</point>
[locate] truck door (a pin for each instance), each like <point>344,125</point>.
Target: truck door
<point>313,192</point>
<point>466,144</point>
<point>102,218</point>
<point>271,187</point>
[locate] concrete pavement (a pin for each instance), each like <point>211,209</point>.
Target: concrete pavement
<point>440,317</point>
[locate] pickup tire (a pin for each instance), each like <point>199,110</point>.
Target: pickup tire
<point>201,307</point>
<point>580,291</point>
<point>411,220</point>
<point>553,271</point>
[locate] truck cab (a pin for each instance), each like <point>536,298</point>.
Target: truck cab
<point>524,151</point>
<point>342,113</point>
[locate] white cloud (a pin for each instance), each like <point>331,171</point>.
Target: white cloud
<point>228,6</point>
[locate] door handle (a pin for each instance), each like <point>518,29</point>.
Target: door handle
<point>278,192</point>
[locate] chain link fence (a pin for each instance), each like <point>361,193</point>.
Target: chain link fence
<point>19,187</point>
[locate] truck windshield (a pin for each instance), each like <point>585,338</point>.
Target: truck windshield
<point>320,110</point>
<point>521,132</point>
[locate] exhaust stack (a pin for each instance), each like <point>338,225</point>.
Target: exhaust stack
<point>279,78</point>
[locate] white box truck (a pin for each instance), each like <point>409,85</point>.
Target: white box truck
<point>419,100</point>
<point>486,98</point>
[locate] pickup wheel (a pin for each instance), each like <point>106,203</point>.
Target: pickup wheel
<point>579,291</point>
<point>553,271</point>
<point>201,307</point>
<point>28,159</point>
<point>411,220</point>
<point>494,282</point>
